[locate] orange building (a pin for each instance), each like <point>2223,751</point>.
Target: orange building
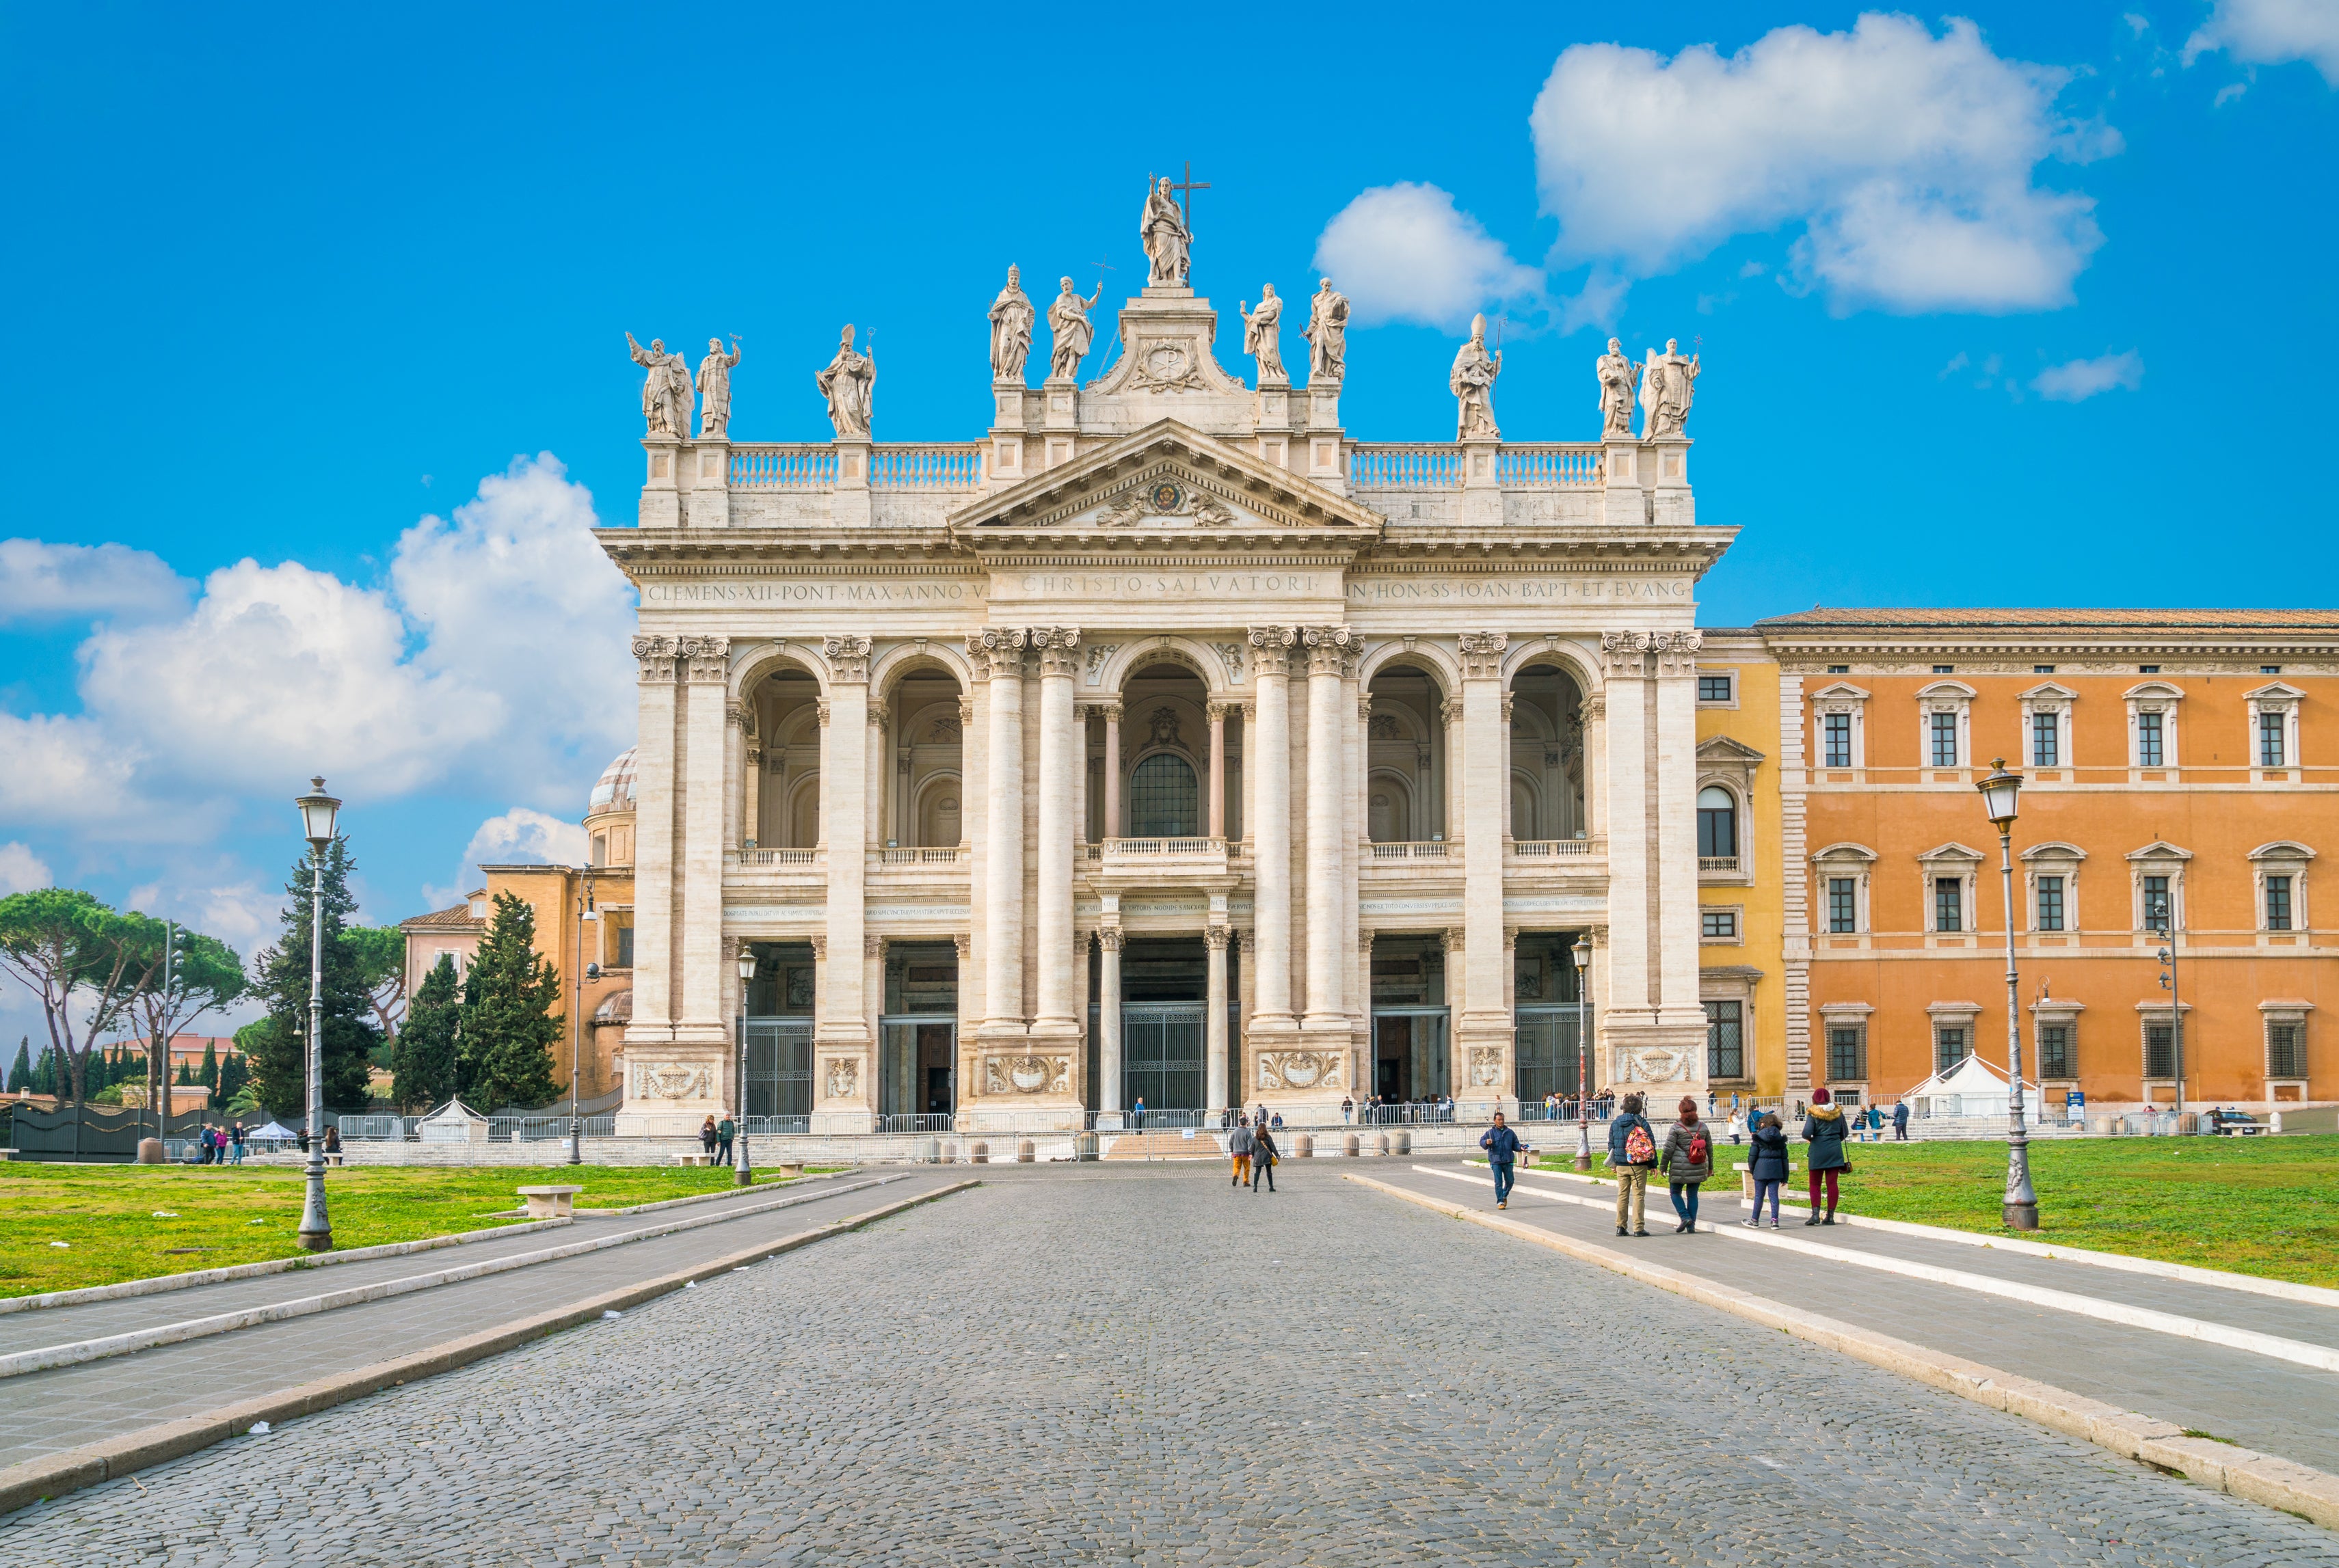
<point>2176,761</point>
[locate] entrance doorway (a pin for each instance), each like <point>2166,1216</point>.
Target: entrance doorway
<point>1548,1041</point>
<point>779,1037</point>
<point>1164,1033</point>
<point>1409,1054</point>
<point>917,1047</point>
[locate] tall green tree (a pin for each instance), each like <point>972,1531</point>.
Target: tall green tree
<point>424,1058</point>
<point>233,1074</point>
<point>82,959</point>
<point>509,1025</point>
<point>45,1071</point>
<point>380,952</point>
<point>20,1072</point>
<point>185,975</point>
<point>208,1077</point>
<point>279,1052</point>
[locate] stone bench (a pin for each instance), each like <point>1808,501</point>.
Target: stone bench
<point>550,1202</point>
<point>701,1159</point>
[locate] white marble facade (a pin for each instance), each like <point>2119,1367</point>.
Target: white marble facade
<point>1163,658</point>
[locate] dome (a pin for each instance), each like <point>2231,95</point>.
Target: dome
<point>615,790</point>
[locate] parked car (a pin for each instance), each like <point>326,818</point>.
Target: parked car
<point>2236,1123</point>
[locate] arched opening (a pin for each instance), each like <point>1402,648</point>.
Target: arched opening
<point>1162,786</point>
<point>1547,760</point>
<point>1406,756</point>
<point>925,734</point>
<point>783,796</point>
<point>1164,798</point>
<point>1717,826</point>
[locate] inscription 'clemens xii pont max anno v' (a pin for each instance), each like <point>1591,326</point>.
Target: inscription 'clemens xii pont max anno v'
<point>1161,739</point>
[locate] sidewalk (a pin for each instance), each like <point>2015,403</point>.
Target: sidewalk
<point>2259,1401</point>
<point>69,1406</point>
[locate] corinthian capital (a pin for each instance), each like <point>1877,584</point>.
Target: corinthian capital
<point>1677,651</point>
<point>996,651</point>
<point>1623,652</point>
<point>1271,649</point>
<point>847,656</point>
<point>656,656</point>
<point>1482,653</point>
<point>1059,650</point>
<point>709,658</point>
<point>1328,648</point>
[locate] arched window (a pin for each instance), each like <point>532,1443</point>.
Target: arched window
<point>1163,799</point>
<point>1717,824</point>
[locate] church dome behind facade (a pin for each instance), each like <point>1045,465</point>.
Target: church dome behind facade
<point>615,790</point>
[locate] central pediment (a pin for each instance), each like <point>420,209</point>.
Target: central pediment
<point>1166,486</point>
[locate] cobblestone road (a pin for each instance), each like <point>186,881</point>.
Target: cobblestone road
<point>1140,1366</point>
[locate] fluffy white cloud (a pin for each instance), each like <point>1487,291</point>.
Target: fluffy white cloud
<point>1910,161</point>
<point>66,771</point>
<point>21,870</point>
<point>518,837</point>
<point>1404,253</point>
<point>2272,33</point>
<point>2077,380</point>
<point>40,581</point>
<point>233,907</point>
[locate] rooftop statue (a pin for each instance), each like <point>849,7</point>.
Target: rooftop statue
<point>1666,389</point>
<point>1327,334</point>
<point>1619,378</point>
<point>1067,318</point>
<point>1262,331</point>
<point>1169,243</point>
<point>715,390</point>
<point>666,390</point>
<point>1012,316</point>
<point>1472,381</point>
<point>850,384</point>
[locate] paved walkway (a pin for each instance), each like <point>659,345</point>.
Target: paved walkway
<point>2260,1402</point>
<point>1135,1365</point>
<point>43,1412</point>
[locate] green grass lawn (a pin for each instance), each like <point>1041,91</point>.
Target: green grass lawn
<point>109,1216</point>
<point>2263,1205</point>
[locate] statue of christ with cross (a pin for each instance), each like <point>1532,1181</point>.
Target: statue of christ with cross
<point>1167,231</point>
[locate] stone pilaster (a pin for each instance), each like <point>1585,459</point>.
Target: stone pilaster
<point>1271,834</point>
<point>653,836</point>
<point>1109,1073</point>
<point>1215,818</point>
<point>1214,1023</point>
<point>842,1024</point>
<point>1002,651</point>
<point>1327,647</point>
<point>1486,1023</point>
<point>707,665</point>
<point>661,504</point>
<point>1795,872</point>
<point>1059,656</point>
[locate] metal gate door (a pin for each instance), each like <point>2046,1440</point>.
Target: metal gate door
<point>779,1067</point>
<point>1162,1055</point>
<point>905,1086</point>
<point>1549,1043</point>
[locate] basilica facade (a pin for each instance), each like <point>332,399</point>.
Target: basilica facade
<point>1166,742</point>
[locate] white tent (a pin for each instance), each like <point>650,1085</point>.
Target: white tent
<point>1973,1088</point>
<point>272,1133</point>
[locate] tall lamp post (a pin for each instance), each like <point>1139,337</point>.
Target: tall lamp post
<point>585,972</point>
<point>744,1173</point>
<point>1999,794</point>
<point>318,811</point>
<point>1583,953</point>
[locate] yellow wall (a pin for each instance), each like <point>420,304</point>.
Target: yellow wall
<point>1752,723</point>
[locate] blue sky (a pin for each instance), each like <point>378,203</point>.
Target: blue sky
<point>2025,309</point>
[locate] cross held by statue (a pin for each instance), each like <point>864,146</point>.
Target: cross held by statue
<point>1186,195</point>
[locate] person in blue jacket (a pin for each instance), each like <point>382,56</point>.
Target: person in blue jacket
<point>1503,1147</point>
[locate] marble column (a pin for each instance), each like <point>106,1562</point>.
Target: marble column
<point>1484,1041</point>
<point>1059,652</point>
<point>734,773</point>
<point>707,666</point>
<point>1629,743</point>
<point>1002,969</point>
<point>653,1021</point>
<point>1214,1023</point>
<point>1216,826</point>
<point>1271,833</point>
<point>970,1019</point>
<point>1448,719</point>
<point>880,767</point>
<point>974,829</point>
<point>1108,1017</point>
<point>751,793</point>
<point>841,999</point>
<point>1111,712</point>
<point>1326,784</point>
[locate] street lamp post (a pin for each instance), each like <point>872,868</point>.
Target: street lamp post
<point>744,1173</point>
<point>585,917</point>
<point>318,811</point>
<point>1583,953</point>
<point>1999,794</point>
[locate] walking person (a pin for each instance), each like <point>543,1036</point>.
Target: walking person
<point>1900,1121</point>
<point>1687,1161</point>
<point>1240,1143</point>
<point>237,1136</point>
<point>1824,1131</point>
<point>1263,1156</point>
<point>725,1131</point>
<point>1501,1146</point>
<point>1736,1124</point>
<point>1631,1155</point>
<point>1347,1111</point>
<point>1768,1168</point>
<point>707,1135</point>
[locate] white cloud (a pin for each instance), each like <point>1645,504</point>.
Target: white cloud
<point>496,658</point>
<point>240,911</point>
<point>518,837</point>
<point>1909,160</point>
<point>1404,253</point>
<point>2077,380</point>
<point>2272,33</point>
<point>41,581</point>
<point>22,871</point>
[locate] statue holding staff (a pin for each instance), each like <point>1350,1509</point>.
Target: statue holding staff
<point>850,385</point>
<point>1012,316</point>
<point>1261,330</point>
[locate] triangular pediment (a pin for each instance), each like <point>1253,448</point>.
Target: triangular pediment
<point>1164,484</point>
<point>1725,749</point>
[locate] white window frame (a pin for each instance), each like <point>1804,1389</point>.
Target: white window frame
<point>2284,857</point>
<point>1736,678</point>
<point>2275,698</point>
<point>1952,860</point>
<point>2054,1012</point>
<point>1842,697</point>
<point>2052,858</point>
<point>2048,700</point>
<point>1965,1015</point>
<point>1857,862</point>
<point>2159,858</point>
<point>1835,1015</point>
<point>1945,698</point>
<point>1737,913</point>
<point>2149,1013</point>
<point>2154,698</point>
<point>2283,1009</point>
<point>1729,765</point>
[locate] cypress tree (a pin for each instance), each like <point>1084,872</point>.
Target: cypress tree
<point>424,1059</point>
<point>186,1079</point>
<point>508,1027</point>
<point>279,1052</point>
<point>209,1077</point>
<point>20,1072</point>
<point>45,1071</point>
<point>232,1077</point>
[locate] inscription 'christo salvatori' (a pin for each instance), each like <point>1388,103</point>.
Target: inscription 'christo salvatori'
<point>814,591</point>
<point>1516,590</point>
<point>1174,584</point>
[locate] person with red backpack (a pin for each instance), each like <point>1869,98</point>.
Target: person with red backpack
<point>1687,1161</point>
<point>1631,1155</point>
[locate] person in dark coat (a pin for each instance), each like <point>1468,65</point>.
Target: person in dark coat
<point>1630,1160</point>
<point>1900,1121</point>
<point>1824,1131</point>
<point>1501,1146</point>
<point>726,1130</point>
<point>1768,1167</point>
<point>1263,1156</point>
<point>1687,1161</point>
